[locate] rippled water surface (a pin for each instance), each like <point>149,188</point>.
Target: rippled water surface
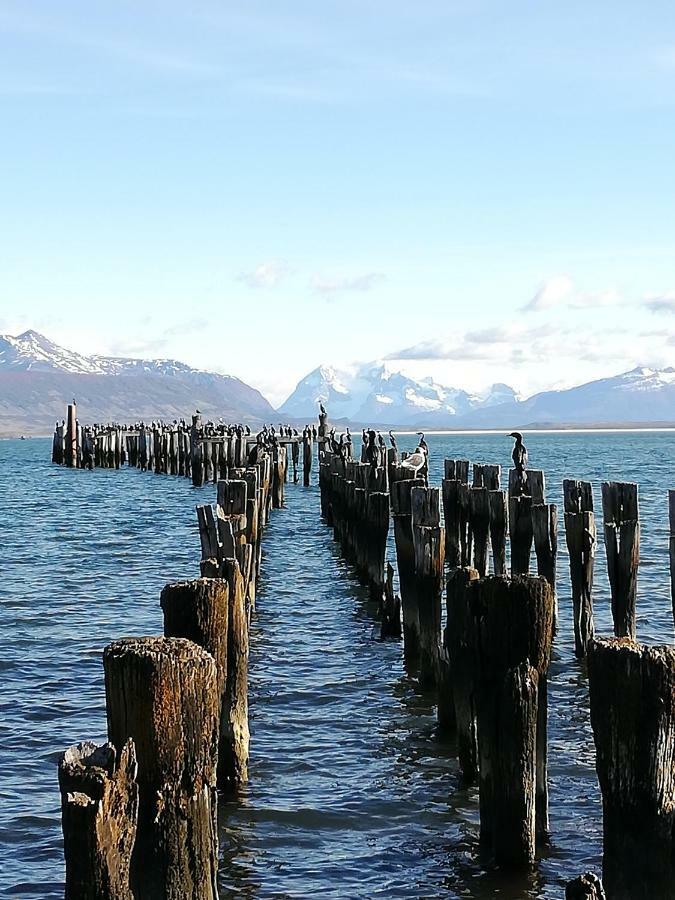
<point>352,793</point>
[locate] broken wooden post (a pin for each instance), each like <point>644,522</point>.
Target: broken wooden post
<point>196,452</point>
<point>521,498</point>
<point>295,457</point>
<point>99,807</point>
<point>585,887</point>
<point>458,641</point>
<point>632,690</point>
<point>581,538</point>
<point>429,549</point>
<point>278,472</point>
<point>622,544</point>
<point>512,632</point>
<point>162,692</point>
<point>375,540</point>
<point>479,523</point>
<point>405,556</point>
<point>199,611</point>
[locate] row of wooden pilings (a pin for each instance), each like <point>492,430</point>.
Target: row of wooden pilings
<point>139,812</point>
<point>489,664</point>
<point>203,452</point>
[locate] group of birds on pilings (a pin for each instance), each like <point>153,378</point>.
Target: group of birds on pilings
<point>374,449</point>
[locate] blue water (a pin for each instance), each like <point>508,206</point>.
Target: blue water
<point>352,792</point>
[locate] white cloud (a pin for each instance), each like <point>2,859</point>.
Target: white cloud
<point>268,274</point>
<point>329,286</point>
<point>560,290</point>
<point>662,303</point>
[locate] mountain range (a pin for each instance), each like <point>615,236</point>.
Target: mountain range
<point>38,378</point>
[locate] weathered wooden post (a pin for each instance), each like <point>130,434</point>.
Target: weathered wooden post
<point>581,538</point>
<point>99,804</point>
<point>71,436</point>
<point>632,689</point>
<point>199,611</point>
<point>458,643</point>
<point>545,534</point>
<point>405,556</point>
<point>233,763</point>
<point>479,523</point>
<point>391,608</point>
<point>295,456</point>
<point>456,473</point>
<point>376,531</point>
<point>163,693</point>
<point>429,549</point>
<point>671,519</point>
<point>498,528</point>
<point>622,544</point>
<point>196,452</point>
<point>512,631</point>
<point>521,499</point>
<point>278,469</point>
<point>306,457</point>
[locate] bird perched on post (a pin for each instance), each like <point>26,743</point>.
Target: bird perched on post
<point>418,461</point>
<point>392,439</point>
<point>519,457</point>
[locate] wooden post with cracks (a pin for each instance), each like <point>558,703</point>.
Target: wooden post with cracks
<point>429,551</point>
<point>162,693</point>
<point>581,538</point>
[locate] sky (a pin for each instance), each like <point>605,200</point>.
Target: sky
<point>475,191</point>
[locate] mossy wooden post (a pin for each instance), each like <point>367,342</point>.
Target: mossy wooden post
<point>199,611</point>
<point>671,519</point>
<point>458,640</point>
<point>99,807</point>
<point>581,538</point>
<point>512,632</point>
<point>233,762</point>
<point>405,557</point>
<point>585,887</point>
<point>632,690</point>
<point>429,549</point>
<point>622,544</point>
<point>163,693</point>
<point>456,472</point>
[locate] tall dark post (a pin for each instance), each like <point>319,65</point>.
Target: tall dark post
<point>622,543</point>
<point>581,537</point>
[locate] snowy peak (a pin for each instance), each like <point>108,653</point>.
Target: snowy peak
<point>33,351</point>
<point>376,392</point>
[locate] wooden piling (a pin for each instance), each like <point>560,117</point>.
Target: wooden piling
<point>622,545</point>
<point>405,557</point>
<point>456,473</point>
<point>233,761</point>
<point>71,436</point>
<point>199,611</point>
<point>498,528</point>
<point>429,552</point>
<point>162,692</point>
<point>391,607</point>
<point>671,548</point>
<point>585,887</point>
<point>99,805</point>
<point>581,538</point>
<point>306,457</point>
<point>512,630</point>
<point>458,642</point>
<point>632,691</point>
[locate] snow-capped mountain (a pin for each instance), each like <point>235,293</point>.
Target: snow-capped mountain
<point>639,396</point>
<point>377,393</point>
<point>38,378</point>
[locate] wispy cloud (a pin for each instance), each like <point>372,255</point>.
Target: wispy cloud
<point>268,274</point>
<point>330,286</point>
<point>561,291</point>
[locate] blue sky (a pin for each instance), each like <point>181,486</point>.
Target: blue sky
<point>480,191</point>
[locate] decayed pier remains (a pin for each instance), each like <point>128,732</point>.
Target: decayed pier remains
<point>476,606</point>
